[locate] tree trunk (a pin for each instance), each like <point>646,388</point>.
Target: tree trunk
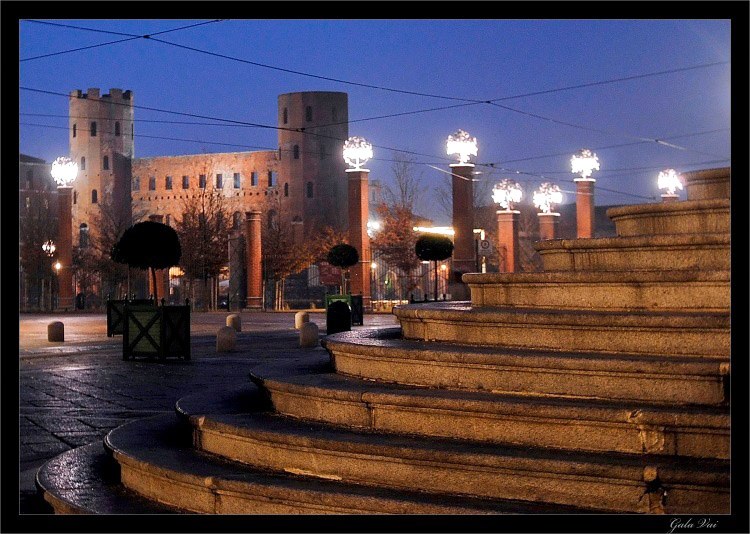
<point>156,289</point>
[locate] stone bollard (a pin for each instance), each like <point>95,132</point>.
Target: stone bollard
<point>308,335</point>
<point>56,331</point>
<point>301,318</point>
<point>235,322</point>
<point>225,339</point>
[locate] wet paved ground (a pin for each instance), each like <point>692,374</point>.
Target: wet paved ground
<point>73,393</point>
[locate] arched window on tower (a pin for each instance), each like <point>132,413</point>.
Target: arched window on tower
<point>83,163</point>
<point>75,130</point>
<point>117,129</point>
<point>308,113</point>
<point>236,220</point>
<point>83,235</point>
<point>105,163</point>
<point>286,190</point>
<point>75,197</point>
<point>286,115</point>
<point>309,189</point>
<point>295,151</point>
<point>94,196</point>
<point>93,129</point>
<point>273,220</point>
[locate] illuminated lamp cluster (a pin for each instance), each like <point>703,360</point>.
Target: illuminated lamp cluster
<point>584,163</point>
<point>64,171</point>
<point>463,145</point>
<point>671,181</point>
<point>546,196</point>
<point>357,151</point>
<point>506,193</point>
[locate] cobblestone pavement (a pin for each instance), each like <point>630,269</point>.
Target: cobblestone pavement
<point>72,393</point>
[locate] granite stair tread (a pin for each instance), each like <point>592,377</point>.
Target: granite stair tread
<point>146,445</point>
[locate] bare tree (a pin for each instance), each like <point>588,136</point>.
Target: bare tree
<point>37,225</point>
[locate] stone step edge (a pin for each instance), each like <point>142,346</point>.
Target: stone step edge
<point>611,481</point>
<point>502,419</point>
<point>665,208</point>
<point>221,480</point>
<point>650,242</point>
<point>79,481</point>
<point>387,343</point>
<point>307,380</point>
<point>598,277</point>
<point>460,311</point>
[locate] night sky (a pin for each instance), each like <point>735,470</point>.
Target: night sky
<point>526,67</point>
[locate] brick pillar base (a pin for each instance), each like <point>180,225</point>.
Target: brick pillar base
<point>65,248</point>
<point>507,239</point>
<point>359,274</point>
<point>548,225</point>
<point>254,261</point>
<point>585,207</point>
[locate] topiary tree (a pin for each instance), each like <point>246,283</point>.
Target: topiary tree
<point>343,256</point>
<point>148,245</point>
<point>434,248</point>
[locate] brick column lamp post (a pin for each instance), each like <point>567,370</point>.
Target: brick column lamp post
<point>64,171</point>
<point>545,198</point>
<point>357,151</point>
<point>670,181</point>
<point>463,146</point>
<point>505,194</point>
<point>254,261</point>
<point>584,163</point>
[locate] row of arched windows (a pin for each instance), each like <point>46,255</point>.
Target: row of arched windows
<point>308,114</point>
<point>105,163</point>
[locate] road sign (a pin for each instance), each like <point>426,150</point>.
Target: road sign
<point>485,247</point>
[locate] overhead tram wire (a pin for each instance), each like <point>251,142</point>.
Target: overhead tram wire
<point>130,36</point>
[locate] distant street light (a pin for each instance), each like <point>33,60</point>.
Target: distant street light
<point>64,171</point>
<point>357,151</point>
<point>671,181</point>
<point>546,196</point>
<point>373,227</point>
<point>462,145</point>
<point>584,163</point>
<point>57,265</point>
<point>506,193</point>
<point>49,248</point>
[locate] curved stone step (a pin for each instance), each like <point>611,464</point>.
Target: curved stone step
<point>308,390</point>
<point>703,335</point>
<point>604,481</point>
<point>707,291</point>
<point>384,356</point>
<point>641,253</point>
<point>708,183</point>
<point>204,483</point>
<point>85,480</point>
<point>688,217</point>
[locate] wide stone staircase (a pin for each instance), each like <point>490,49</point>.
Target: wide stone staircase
<point>600,385</point>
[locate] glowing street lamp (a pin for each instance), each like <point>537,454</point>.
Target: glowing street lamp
<point>463,145</point>
<point>547,196</point>
<point>64,171</point>
<point>373,227</point>
<point>57,265</point>
<point>506,193</point>
<point>671,181</point>
<point>584,163</point>
<point>49,248</point>
<point>357,151</point>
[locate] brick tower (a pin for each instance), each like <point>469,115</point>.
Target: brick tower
<point>101,142</point>
<point>312,129</point>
